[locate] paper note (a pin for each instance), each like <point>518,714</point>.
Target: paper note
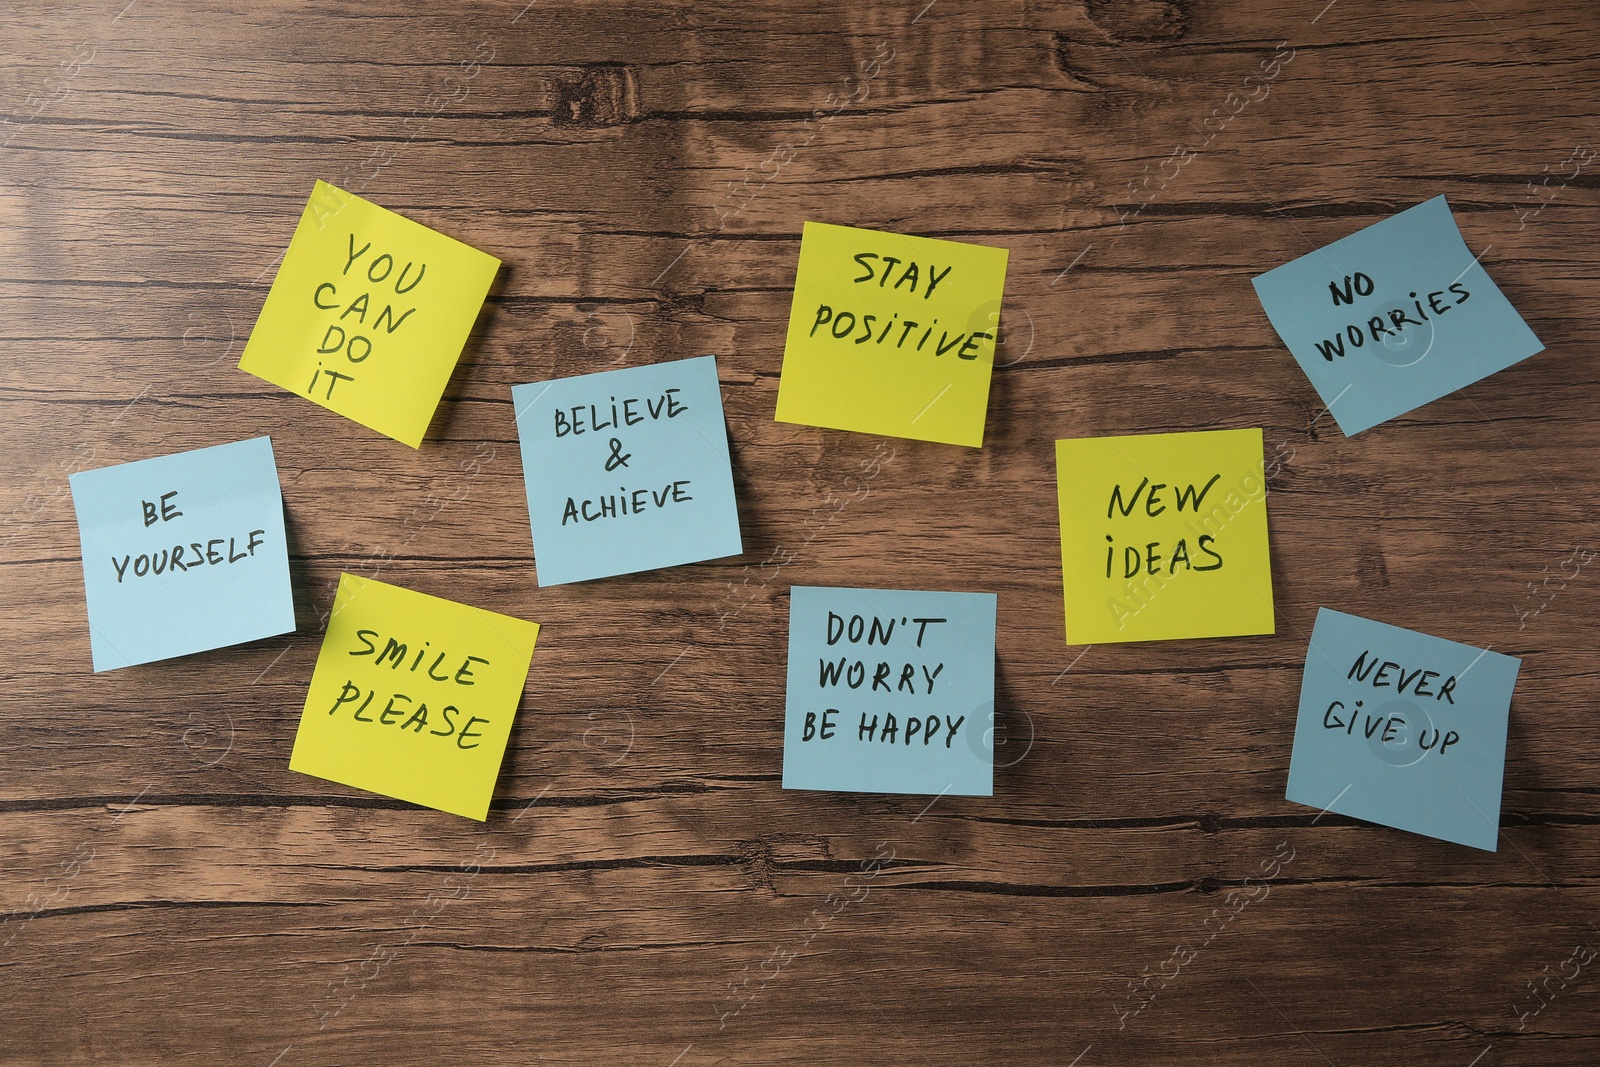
<point>368,314</point>
<point>1393,316</point>
<point>891,334</point>
<point>1164,536</point>
<point>183,553</point>
<point>890,691</point>
<point>413,697</point>
<point>1400,728</point>
<point>627,470</point>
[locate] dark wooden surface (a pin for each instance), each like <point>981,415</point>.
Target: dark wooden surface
<point>644,892</point>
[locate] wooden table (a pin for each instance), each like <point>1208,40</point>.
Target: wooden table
<point>644,892</point>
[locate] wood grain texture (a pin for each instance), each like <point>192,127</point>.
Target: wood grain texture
<point>644,892</point>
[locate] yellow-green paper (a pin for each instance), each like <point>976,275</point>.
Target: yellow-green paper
<point>892,335</point>
<point>413,696</point>
<point>368,314</point>
<point>1164,536</point>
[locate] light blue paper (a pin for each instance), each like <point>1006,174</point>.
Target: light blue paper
<point>1386,754</point>
<point>654,490</point>
<point>219,512</point>
<point>938,675</point>
<point>1402,262</point>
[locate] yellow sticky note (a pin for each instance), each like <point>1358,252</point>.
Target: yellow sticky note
<point>413,696</point>
<point>1164,536</point>
<point>368,313</point>
<point>892,335</point>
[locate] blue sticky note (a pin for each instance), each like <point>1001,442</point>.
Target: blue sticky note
<point>1400,728</point>
<point>627,470</point>
<point>890,691</point>
<point>183,553</point>
<point>1393,316</point>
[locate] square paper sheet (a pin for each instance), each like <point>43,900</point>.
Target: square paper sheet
<point>627,470</point>
<point>893,335</point>
<point>1393,316</point>
<point>1164,536</point>
<point>890,691</point>
<point>1400,728</point>
<point>183,553</point>
<point>368,314</point>
<point>413,696</point>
